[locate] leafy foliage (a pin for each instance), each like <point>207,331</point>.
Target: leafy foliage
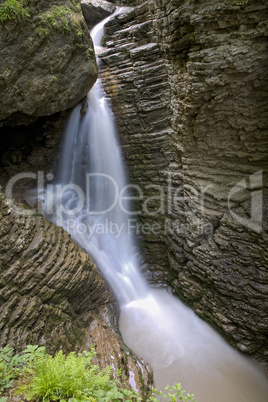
<point>175,393</point>
<point>12,10</point>
<point>57,17</point>
<point>71,378</point>
<point>11,365</point>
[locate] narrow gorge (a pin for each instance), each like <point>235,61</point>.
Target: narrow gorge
<point>188,86</point>
<point>187,82</point>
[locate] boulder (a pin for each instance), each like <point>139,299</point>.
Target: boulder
<point>47,59</point>
<point>96,10</point>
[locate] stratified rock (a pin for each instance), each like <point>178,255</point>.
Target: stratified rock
<point>106,339</point>
<point>47,60</point>
<point>46,281</point>
<point>188,85</point>
<point>96,10</point>
<point>52,294</point>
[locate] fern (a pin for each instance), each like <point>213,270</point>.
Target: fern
<point>71,378</point>
<point>61,377</point>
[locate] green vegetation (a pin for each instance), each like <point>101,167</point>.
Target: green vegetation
<point>60,18</point>
<point>53,78</point>
<point>13,10</point>
<point>42,32</point>
<point>57,17</point>
<point>11,365</point>
<point>89,53</point>
<point>174,394</point>
<point>38,376</point>
<point>242,3</point>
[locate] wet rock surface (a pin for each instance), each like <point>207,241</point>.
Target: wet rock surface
<point>47,61</point>
<point>46,281</point>
<point>52,294</point>
<point>102,332</point>
<point>188,85</point>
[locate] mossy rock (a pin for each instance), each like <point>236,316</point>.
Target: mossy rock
<point>47,58</point>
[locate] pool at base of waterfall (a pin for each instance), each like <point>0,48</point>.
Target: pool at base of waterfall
<point>180,347</point>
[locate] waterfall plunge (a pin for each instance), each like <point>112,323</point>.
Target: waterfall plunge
<point>179,346</point>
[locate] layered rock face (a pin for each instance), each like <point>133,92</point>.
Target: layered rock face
<point>52,294</point>
<point>44,44</point>
<point>188,85</point>
<point>46,281</point>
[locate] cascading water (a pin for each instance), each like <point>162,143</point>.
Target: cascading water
<point>89,198</point>
<point>91,166</point>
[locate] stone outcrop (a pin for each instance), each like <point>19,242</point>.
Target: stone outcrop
<point>52,294</point>
<point>46,281</point>
<point>188,85</point>
<point>96,10</point>
<point>47,59</point>
<point>103,333</point>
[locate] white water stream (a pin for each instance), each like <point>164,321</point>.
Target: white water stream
<point>179,346</point>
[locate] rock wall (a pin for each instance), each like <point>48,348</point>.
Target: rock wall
<point>46,281</point>
<point>188,85</point>
<point>44,44</point>
<point>52,294</point>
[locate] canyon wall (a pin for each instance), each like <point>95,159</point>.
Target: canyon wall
<point>188,86</point>
<point>46,281</point>
<point>52,294</point>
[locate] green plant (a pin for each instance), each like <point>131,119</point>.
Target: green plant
<point>72,377</point>
<point>53,78</point>
<point>42,32</point>
<point>33,352</point>
<point>57,17</point>
<point>175,393</point>
<point>242,3</point>
<point>12,10</point>
<point>11,364</point>
<point>89,53</point>
<point>8,367</point>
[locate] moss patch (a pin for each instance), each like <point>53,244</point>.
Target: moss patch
<point>13,10</point>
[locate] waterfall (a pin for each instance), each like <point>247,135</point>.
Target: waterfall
<point>89,197</point>
<point>90,193</point>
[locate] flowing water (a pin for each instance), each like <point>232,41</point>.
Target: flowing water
<point>89,198</point>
